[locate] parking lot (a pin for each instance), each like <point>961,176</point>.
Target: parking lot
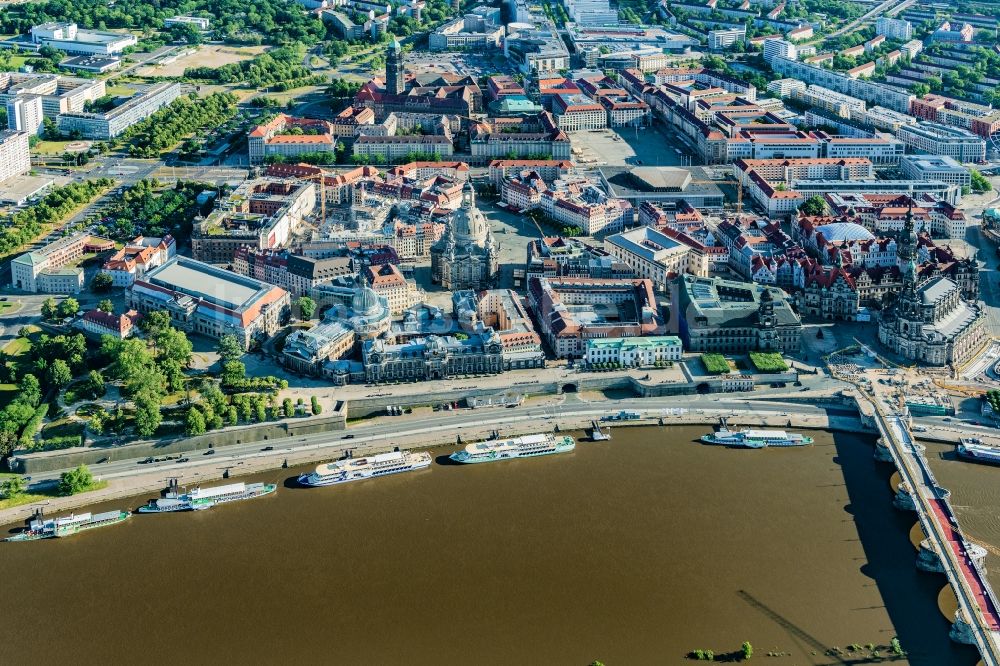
<point>635,146</point>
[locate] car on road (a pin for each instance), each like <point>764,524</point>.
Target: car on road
<point>183,460</point>
<point>268,448</point>
<point>348,437</point>
<point>210,452</point>
<point>146,461</point>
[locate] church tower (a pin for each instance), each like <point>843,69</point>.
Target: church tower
<point>395,78</point>
<point>906,253</point>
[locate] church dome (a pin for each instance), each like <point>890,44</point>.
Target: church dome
<point>468,223</point>
<point>365,301</point>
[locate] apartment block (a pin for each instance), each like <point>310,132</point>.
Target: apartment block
<point>938,139</point>
<point>104,126</point>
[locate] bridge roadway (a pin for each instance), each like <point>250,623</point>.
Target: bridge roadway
<point>976,599</point>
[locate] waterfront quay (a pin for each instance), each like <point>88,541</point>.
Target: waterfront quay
<point>568,412</point>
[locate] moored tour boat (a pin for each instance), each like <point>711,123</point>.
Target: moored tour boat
<point>49,528</point>
<point>516,447</point>
<point>356,469</point>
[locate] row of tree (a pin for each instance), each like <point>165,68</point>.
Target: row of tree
<point>184,116</point>
<point>25,225</point>
<point>280,69</point>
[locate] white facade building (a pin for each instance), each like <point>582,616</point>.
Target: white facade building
<point>25,113</point>
<point>779,48</point>
<point>634,352</point>
<point>935,167</point>
<point>723,39</point>
<point>894,28</point>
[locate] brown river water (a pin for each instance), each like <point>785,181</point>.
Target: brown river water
<point>633,551</point>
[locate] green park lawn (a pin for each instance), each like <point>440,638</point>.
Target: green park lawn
<point>715,364</point>
<point>768,362</point>
<point>51,147</point>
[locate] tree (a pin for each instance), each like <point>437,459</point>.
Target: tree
<point>287,407</point>
<point>13,487</point>
<point>147,413</point>
<point>233,371</point>
<point>49,308</point>
<point>814,205</point>
<point>316,407</point>
<point>69,307</point>
<point>156,322</point>
<point>29,390</point>
<point>232,417</point>
<point>229,349</point>
<point>75,481</point>
<point>747,650</point>
<point>59,373</point>
<point>979,182</point>
<point>98,421</point>
<point>173,345</point>
<point>106,306</point>
<point>195,424</point>
<point>307,307</point>
<point>102,282</point>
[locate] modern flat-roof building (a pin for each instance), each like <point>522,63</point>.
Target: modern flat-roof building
<point>211,301</point>
<point>479,29</point>
<point>938,139</point>
<point>897,29</point>
<point>935,167</point>
<point>104,126</point>
<point>58,94</point>
<point>667,186</point>
<point>881,94</point>
<point>15,159</point>
<point>260,213</point>
<point>91,63</point>
<point>718,315</point>
<point>199,22</point>
<point>67,37</point>
<point>779,48</point>
<point>723,39</point>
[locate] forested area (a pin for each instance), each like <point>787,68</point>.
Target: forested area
<point>142,209</point>
<point>257,22</point>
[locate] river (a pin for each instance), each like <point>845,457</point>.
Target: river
<point>633,551</point>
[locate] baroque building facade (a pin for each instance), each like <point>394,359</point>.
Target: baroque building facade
<point>930,321</point>
<point>466,257</point>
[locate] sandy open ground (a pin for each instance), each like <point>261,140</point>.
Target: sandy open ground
<point>205,56</point>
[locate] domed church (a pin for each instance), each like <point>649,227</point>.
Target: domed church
<point>466,256</point>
